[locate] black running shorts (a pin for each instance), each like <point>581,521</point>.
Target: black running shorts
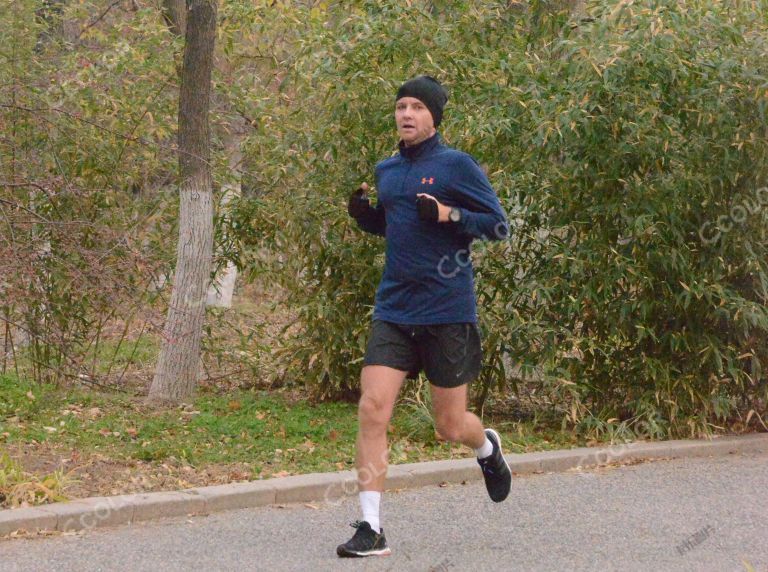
<point>449,354</point>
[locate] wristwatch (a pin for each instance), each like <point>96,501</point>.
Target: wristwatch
<point>454,215</point>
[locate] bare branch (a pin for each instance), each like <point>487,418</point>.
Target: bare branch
<point>98,19</point>
<point>18,206</point>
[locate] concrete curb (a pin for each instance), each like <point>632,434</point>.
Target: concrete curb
<point>328,487</point>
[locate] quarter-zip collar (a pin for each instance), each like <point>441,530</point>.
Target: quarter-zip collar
<point>419,150</point>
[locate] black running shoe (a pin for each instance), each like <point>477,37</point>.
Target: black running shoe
<point>498,477</point>
<point>365,542</point>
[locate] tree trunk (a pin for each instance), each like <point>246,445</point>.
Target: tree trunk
<point>221,290</point>
<point>178,364</point>
<point>220,293</point>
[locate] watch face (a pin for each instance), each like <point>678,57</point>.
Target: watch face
<point>455,215</point>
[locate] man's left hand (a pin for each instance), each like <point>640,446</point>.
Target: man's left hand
<point>427,211</point>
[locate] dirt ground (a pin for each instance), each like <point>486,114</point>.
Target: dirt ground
<point>92,474</point>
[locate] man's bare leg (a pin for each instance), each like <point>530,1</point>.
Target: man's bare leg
<point>458,425</point>
<point>452,419</point>
<point>380,386</point>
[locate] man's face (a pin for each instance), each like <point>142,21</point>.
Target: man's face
<point>414,121</point>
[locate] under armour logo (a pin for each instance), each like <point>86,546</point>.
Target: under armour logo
<point>425,181</point>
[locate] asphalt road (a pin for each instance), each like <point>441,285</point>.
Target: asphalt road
<point>687,514</point>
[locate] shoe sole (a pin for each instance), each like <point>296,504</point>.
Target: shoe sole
<point>501,452</point>
<point>351,554</point>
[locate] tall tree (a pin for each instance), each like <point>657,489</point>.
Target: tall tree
<point>178,364</point>
<point>221,289</point>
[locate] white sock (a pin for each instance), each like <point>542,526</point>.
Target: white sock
<point>486,450</point>
<point>369,502</point>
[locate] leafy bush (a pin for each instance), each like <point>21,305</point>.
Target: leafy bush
<point>87,122</point>
<point>653,131</point>
<point>612,140</point>
<point>316,143</point>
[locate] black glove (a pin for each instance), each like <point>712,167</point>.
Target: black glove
<point>427,209</point>
<point>358,203</point>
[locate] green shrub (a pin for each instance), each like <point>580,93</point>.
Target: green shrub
<point>612,140</point>
<point>654,128</point>
<point>87,127</point>
<point>319,140</point>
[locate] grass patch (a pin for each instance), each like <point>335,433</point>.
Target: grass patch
<point>264,433</point>
<point>272,433</point>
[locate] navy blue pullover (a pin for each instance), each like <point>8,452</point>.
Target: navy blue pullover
<point>428,277</point>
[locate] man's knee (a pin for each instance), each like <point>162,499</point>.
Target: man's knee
<point>450,428</point>
<point>373,412</point>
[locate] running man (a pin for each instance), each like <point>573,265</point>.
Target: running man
<point>432,202</point>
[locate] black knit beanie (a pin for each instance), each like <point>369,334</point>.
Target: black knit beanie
<point>427,90</point>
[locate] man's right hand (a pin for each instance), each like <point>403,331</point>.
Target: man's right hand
<point>359,203</point>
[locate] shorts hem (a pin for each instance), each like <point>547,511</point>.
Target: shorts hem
<point>380,362</point>
<point>444,322</point>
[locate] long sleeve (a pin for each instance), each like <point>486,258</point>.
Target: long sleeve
<point>482,215</point>
<point>373,221</point>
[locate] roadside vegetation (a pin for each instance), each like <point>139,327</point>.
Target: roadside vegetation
<point>627,140</point>
<point>80,442</point>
